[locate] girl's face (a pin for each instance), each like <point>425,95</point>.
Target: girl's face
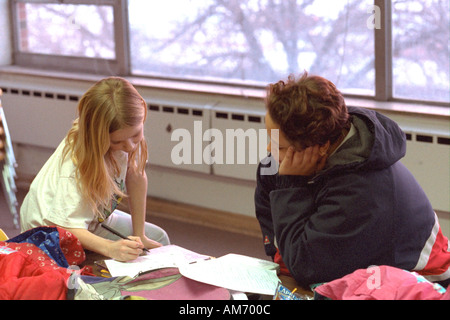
<point>126,139</point>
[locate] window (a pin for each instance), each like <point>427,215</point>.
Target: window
<point>73,36</point>
<point>246,42</point>
<point>254,42</point>
<point>420,34</point>
<point>67,29</point>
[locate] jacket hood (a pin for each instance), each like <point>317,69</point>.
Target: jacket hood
<point>377,142</point>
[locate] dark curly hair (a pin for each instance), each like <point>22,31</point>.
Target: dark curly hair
<point>309,111</point>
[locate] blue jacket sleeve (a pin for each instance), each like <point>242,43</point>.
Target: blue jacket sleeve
<point>264,185</point>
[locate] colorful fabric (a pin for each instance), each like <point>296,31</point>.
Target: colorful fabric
<point>434,259</point>
<point>57,243</point>
<point>36,264</point>
<point>382,283</point>
<point>161,284</point>
<point>114,203</point>
<point>27,277</point>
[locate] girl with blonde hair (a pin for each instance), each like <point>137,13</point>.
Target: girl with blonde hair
<point>101,160</point>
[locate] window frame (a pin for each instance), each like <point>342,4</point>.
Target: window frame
<point>384,83</point>
<point>117,66</point>
<point>121,65</point>
<point>383,52</point>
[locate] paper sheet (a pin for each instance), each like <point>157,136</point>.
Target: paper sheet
<point>233,276</point>
<point>162,257</point>
<point>234,272</point>
<point>233,258</point>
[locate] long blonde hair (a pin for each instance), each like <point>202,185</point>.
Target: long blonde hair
<point>110,104</point>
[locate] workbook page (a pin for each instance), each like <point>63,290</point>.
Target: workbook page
<point>230,274</point>
<point>163,257</point>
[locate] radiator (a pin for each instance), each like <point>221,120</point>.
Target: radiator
<point>174,134</point>
<point>39,117</point>
<point>428,158</point>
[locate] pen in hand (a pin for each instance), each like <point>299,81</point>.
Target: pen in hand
<point>117,233</point>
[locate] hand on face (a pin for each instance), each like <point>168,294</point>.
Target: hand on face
<point>306,162</point>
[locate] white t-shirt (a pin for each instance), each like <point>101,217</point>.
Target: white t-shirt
<point>54,198</point>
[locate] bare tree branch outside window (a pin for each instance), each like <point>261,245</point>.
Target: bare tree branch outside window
<point>256,41</point>
<point>421,49</point>
<point>67,29</point>
<point>253,42</point>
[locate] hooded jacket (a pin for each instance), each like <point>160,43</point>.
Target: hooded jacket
<point>364,208</point>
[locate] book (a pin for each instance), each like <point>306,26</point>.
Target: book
<point>232,271</point>
<point>163,257</point>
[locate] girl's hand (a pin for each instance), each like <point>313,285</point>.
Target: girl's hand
<point>126,250</point>
<point>302,163</point>
<point>149,243</point>
<point>135,179</point>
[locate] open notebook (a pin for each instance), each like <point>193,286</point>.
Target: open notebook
<point>232,271</point>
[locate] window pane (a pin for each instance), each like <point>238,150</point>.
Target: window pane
<point>66,29</point>
<point>254,41</point>
<point>421,50</point>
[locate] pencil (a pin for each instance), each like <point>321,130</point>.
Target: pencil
<point>117,233</point>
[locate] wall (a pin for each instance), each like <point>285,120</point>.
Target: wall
<point>40,111</point>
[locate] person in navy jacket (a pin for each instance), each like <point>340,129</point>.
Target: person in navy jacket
<point>341,200</point>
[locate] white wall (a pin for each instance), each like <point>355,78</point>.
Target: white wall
<point>229,188</point>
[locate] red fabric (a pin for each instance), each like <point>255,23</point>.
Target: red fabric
<point>31,277</point>
<point>63,245</point>
<point>438,260</point>
<point>283,269</point>
<point>71,247</point>
<point>28,273</point>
